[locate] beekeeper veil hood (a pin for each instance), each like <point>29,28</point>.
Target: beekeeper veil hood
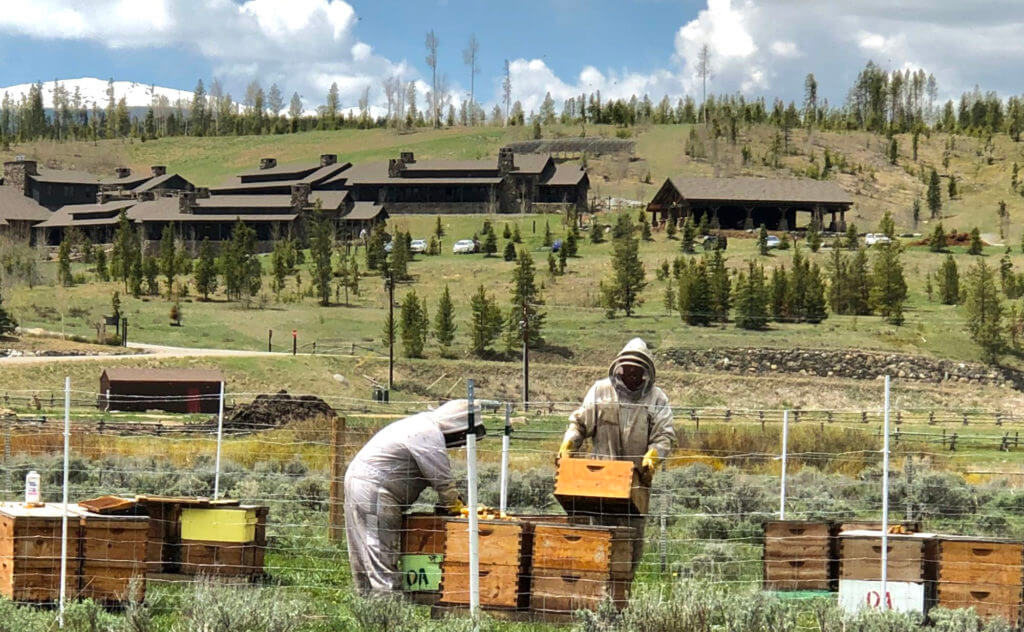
<point>635,353</point>
<point>452,420</point>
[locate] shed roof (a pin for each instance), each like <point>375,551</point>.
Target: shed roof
<point>129,181</point>
<point>531,163</point>
<point>15,206</point>
<point>364,211</point>
<point>156,182</point>
<point>129,374</point>
<point>329,200</point>
<point>566,175</point>
<point>87,214</point>
<point>759,190</point>
<point>65,176</point>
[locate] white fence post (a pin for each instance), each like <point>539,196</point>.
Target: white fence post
<point>785,449</point>
<point>505,439</point>
<point>64,507</point>
<point>220,437</point>
<point>474,551</point>
<point>885,501</point>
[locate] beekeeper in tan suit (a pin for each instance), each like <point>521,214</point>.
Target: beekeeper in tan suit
<point>626,417</point>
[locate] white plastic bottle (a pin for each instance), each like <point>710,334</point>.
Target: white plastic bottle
<point>32,495</point>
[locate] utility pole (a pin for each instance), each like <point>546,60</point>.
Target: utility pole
<point>526,359</point>
<point>390,283</point>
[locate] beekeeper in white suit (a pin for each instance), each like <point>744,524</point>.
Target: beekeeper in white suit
<point>625,417</point>
<point>387,476</point>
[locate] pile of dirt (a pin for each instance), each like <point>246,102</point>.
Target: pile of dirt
<point>271,411</point>
<point>952,239</point>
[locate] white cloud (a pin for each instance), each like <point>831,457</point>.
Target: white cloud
<point>303,45</point>
<point>785,49</point>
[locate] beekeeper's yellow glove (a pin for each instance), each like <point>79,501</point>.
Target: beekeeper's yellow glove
<point>651,461</point>
<point>565,449</point>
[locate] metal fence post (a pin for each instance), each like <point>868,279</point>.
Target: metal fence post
<point>505,440</point>
<point>474,543</point>
<point>785,449</point>
<point>64,500</point>
<point>220,437</point>
<point>885,501</point>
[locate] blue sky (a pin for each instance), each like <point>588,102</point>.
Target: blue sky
<point>759,47</point>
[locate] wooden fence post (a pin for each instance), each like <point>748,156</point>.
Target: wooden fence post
<point>336,515</point>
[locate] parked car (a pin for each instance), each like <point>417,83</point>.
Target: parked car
<point>556,245</point>
<point>773,241</point>
<point>418,246</point>
<point>464,247</point>
<point>714,242</point>
<point>876,238</point>
<point>388,246</point>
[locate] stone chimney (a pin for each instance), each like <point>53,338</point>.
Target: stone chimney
<point>186,202</point>
<point>17,173</point>
<point>102,197</point>
<point>145,196</point>
<point>202,192</point>
<point>395,166</point>
<point>268,163</point>
<point>326,160</point>
<point>300,196</point>
<point>122,172</point>
<point>506,160</point>
<point>158,170</point>
<point>407,157</point>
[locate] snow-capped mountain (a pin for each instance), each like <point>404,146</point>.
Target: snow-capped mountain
<point>92,90</point>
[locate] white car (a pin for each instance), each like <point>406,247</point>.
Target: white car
<point>464,247</point>
<point>876,238</point>
<point>418,245</point>
<point>772,242</point>
<point>389,246</point>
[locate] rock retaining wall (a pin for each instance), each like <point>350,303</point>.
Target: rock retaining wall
<point>842,363</point>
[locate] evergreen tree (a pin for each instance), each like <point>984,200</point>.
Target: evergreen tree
<point>887,226</point>
<point>547,234</point>
<point>7,322</point>
<point>695,303</point>
<point>1007,278</point>
<point>752,299</point>
<point>414,325</point>
<point>813,237</point>
<point>934,195</point>
<point>762,241</point>
<point>206,270</point>
<point>949,282</point>
<point>375,253</point>
<point>703,226</point>
<point>670,228</point>
<point>444,321</point>
<point>596,233</point>
<point>984,311</point>
<point>798,287</point>
<point>814,299</point>
<point>239,264</point>
<point>438,229</point>
<point>552,263</point>
<point>321,241</point>
<point>168,257</point>
<point>888,287</point>
<point>929,290</point>
<point>779,294</point>
<point>102,273</point>
<point>952,186</point>
<point>784,242</point>
<point>516,235</point>
<point>64,275</point>
<point>151,270</point>
<point>525,319</point>
<point>507,232</point>
<point>669,299</point>
<point>916,212</point>
<point>126,250</point>
<point>721,286</point>
<point>851,241</point>
<point>976,247</point>
<point>115,307</point>
<point>398,265</point>
<point>490,242</point>
<point>390,330</point>
<point>623,225</point>
<point>485,322</point>
<point>645,228</point>
<point>510,251</point>
<point>563,257</point>
<point>279,267</point>
<point>838,290</point>
<point>937,242</point>
<point>688,235</point>
<point>894,151</point>
<point>859,283</point>
<point>621,291</point>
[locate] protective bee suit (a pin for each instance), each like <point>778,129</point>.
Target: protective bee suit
<point>387,476</point>
<point>625,419</point>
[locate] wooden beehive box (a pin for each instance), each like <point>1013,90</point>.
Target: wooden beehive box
<point>504,554</point>
<point>212,557</point>
<point>577,567</point>
<point>423,540</point>
<point>112,556</point>
<point>984,574</point>
<point>30,547</point>
<point>799,555</point>
<point>593,486</point>
<point>876,525</point>
<point>910,570</point>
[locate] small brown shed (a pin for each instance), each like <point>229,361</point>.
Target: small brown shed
<point>173,390</point>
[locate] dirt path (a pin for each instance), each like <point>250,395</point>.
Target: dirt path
<point>144,351</point>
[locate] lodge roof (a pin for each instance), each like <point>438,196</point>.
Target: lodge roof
<point>65,176</point>
<point>751,189</point>
<point>14,206</point>
<point>364,211</point>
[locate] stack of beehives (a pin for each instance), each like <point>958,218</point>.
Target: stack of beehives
<point>550,565</point>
